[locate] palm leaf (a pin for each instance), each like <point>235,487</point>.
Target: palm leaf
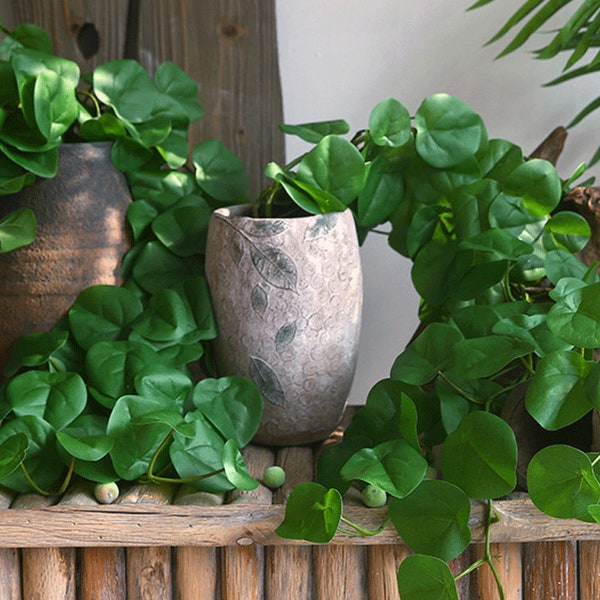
<point>579,20</point>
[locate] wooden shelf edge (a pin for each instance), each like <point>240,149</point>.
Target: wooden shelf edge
<point>246,524</point>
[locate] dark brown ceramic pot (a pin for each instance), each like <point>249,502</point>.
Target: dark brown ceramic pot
<point>82,236</point>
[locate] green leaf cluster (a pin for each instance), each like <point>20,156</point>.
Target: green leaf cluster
<point>505,305</point>
<point>108,394</point>
<point>45,101</point>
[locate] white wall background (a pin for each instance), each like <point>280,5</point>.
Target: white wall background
<point>338,58</point>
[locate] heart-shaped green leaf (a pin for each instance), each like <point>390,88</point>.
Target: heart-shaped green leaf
<point>312,513</point>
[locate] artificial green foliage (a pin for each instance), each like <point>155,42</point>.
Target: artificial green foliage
<point>506,306</point>
<point>108,393</point>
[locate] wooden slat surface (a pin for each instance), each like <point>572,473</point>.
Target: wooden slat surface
<point>241,524</point>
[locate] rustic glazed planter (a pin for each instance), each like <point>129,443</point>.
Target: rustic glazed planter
<point>287,295</point>
<point>82,237</point>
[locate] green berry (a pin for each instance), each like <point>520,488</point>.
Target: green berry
<point>274,477</point>
<point>106,493</point>
<point>373,496</point>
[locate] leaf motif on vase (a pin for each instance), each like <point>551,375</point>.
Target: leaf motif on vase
<point>263,229</point>
<point>285,335</point>
<point>275,266</point>
<point>237,249</point>
<point>259,300</point>
<point>321,227</point>
<point>265,378</point>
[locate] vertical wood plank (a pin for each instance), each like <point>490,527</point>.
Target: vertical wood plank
<point>101,571</point>
<point>508,563</point>
<point>148,568</point>
<point>103,574</point>
<point>383,568</point>
<point>10,561</point>
<point>288,573</point>
<point>550,570</point>
<point>230,49</point>
<point>242,566</point>
<point>196,569</point>
<point>589,570</point>
<point>47,572</point>
<point>339,572</point>
<point>65,22</point>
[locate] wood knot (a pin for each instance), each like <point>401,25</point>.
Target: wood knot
<point>88,40</point>
<point>230,31</point>
<point>244,541</point>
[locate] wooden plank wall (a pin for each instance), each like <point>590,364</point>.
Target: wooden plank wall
<point>228,47</point>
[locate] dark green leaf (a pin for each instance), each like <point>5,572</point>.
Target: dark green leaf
<point>315,132</point>
<point>434,519</point>
<point>135,441</point>
<point>480,456</point>
<point>17,229</point>
<point>576,317</point>
<point>34,350</point>
<point>422,577</point>
<point>448,131</point>
<point>431,352</point>
<point>103,313</point>
<point>393,466</point>
<point>481,357</point>
<point>220,173</point>
<point>389,123</point>
<point>12,453</point>
<point>312,513</point>
<point>382,193</point>
<point>562,483</point>
<point>235,467</point>
<point>58,398</point>
<point>232,404</point>
<point>200,455</point>
<point>556,396</point>
<point>335,166</point>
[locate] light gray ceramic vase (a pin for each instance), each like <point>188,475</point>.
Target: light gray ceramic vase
<point>287,295</point>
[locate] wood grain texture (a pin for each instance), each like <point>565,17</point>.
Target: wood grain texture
<point>589,570</point>
<point>243,564</point>
<point>508,563</point>
<point>101,571</point>
<point>288,571</point>
<point>160,525</point>
<point>383,566</point>
<point>64,21</point>
<point>458,566</point>
<point>550,570</point>
<point>10,560</point>
<point>339,572</point>
<point>196,569</point>
<point>46,572</point>
<point>148,568</point>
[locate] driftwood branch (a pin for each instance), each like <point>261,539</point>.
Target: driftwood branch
<point>551,148</point>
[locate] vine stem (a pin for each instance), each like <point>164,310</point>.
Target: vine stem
<point>360,530</point>
<point>487,557</point>
<point>42,492</point>
<point>456,388</point>
<point>150,476</point>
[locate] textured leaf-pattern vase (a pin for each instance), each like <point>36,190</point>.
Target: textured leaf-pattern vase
<point>287,295</point>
